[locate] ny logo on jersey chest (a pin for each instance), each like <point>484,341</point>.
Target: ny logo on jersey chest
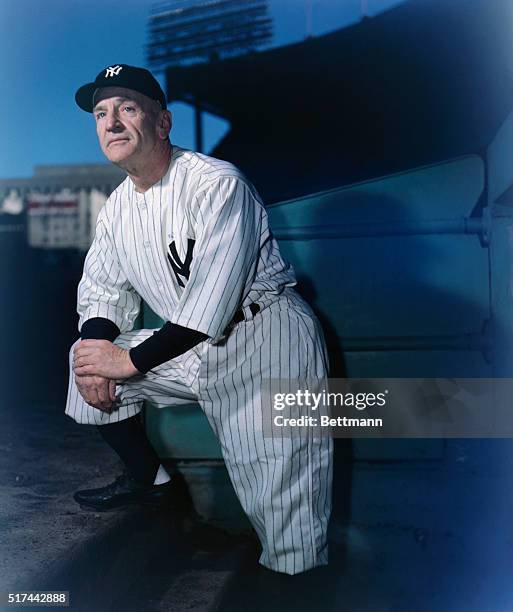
<point>182,269</point>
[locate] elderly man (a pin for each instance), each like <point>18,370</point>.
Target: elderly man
<point>188,234</point>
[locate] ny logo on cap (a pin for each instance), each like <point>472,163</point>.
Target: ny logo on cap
<point>113,71</point>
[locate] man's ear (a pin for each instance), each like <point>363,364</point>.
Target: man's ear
<point>165,123</point>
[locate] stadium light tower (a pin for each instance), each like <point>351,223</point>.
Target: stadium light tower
<point>191,31</point>
<point>185,32</point>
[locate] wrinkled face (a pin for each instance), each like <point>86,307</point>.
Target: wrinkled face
<point>126,124</point>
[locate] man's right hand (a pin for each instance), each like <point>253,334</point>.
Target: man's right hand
<point>97,391</point>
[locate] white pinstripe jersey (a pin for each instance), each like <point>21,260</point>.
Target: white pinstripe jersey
<point>195,247</point>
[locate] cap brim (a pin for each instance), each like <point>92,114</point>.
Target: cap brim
<point>84,96</point>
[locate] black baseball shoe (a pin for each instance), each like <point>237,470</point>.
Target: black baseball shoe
<point>126,491</point>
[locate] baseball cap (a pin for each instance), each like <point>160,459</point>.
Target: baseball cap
<point>121,75</point>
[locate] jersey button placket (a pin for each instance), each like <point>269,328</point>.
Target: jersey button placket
<point>141,201</point>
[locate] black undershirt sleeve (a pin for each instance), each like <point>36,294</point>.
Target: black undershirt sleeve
<point>168,342</point>
<point>99,328</point>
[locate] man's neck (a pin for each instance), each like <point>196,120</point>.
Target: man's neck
<point>146,175</point>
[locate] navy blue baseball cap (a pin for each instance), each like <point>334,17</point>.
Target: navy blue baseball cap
<point>121,75</point>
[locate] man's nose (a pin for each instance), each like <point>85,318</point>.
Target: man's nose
<point>113,121</point>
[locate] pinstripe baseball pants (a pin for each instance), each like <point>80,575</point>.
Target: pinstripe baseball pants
<point>283,483</point>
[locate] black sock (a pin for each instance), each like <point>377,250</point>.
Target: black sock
<point>129,440</point>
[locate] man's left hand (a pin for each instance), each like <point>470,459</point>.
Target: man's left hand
<point>102,358</point>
